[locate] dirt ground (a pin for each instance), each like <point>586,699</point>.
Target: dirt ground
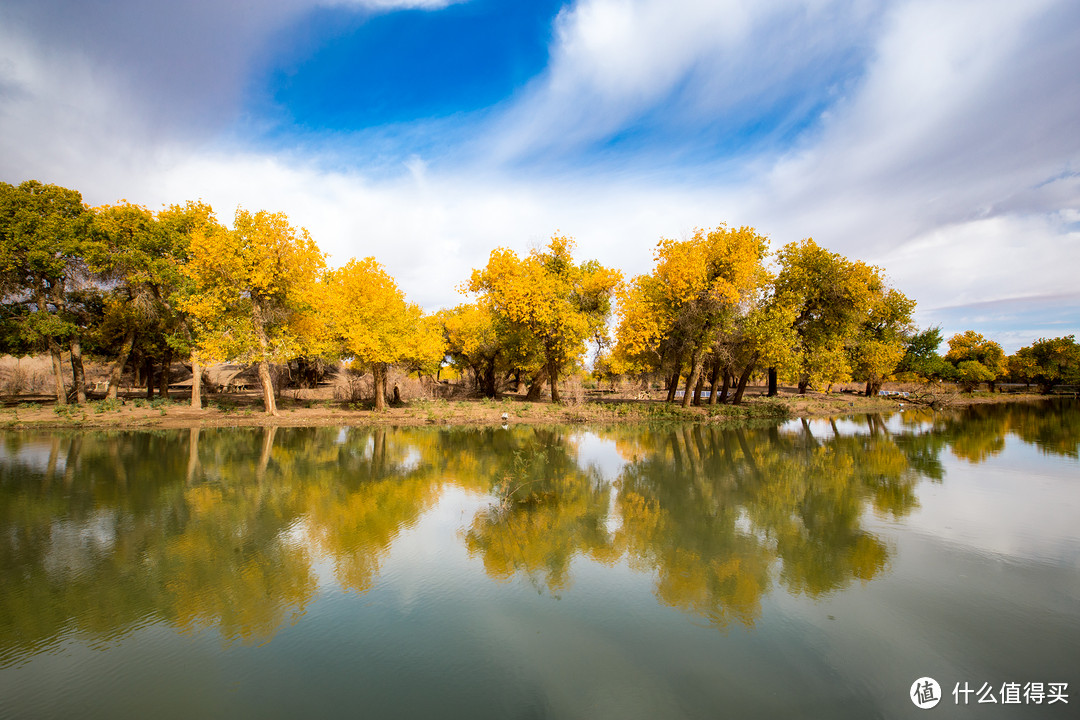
<point>298,410</point>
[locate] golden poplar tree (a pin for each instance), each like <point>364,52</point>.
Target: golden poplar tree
<point>547,297</point>
<point>375,325</point>
<point>250,285</point>
<point>703,302</point>
<point>847,319</point>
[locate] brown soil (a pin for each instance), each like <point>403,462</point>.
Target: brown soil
<point>245,409</point>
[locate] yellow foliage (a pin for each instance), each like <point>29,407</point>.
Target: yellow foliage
<point>251,284</point>
<point>373,321</point>
<point>547,297</point>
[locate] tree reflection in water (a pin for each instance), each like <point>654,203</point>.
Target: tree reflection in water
<point>103,533</point>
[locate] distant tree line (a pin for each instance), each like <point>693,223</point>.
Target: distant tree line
<point>143,289</point>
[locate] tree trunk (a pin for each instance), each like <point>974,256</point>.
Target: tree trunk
<point>869,389</point>
<point>378,373</point>
<point>54,348</point>
<point>692,378</point>
<point>727,384</point>
<point>148,371</point>
<point>673,382</point>
<point>803,384</point>
<point>553,378</point>
<point>536,386</point>
<point>196,383</point>
<point>269,402</point>
<point>772,382</point>
<point>166,374</point>
<point>698,388</point>
<point>117,370</point>
<point>267,384</point>
<point>489,379</point>
<point>307,372</point>
<point>714,375</point>
<point>78,375</point>
<point>673,385</point>
<point>737,399</point>
<point>58,372</point>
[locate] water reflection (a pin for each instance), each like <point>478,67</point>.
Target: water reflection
<point>548,509</point>
<point>103,533</point>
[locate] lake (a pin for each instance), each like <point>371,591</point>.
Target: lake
<point>808,569</point>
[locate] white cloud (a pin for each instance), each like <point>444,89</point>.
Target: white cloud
<point>982,260</point>
<point>183,67</point>
<point>952,160</point>
<point>950,163</point>
<point>430,231</point>
<point>712,61</point>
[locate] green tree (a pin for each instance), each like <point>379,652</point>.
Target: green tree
<point>839,305</point>
<point>921,357</point>
<point>1048,362</point>
<point>140,256</point>
<point>43,230</point>
<point>883,337</point>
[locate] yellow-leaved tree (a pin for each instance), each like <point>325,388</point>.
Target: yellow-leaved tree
<point>252,286</point>
<point>473,342</point>
<point>884,335</point>
<point>547,297</point>
<point>376,326</point>
<point>976,359</point>
<point>847,319</point>
<point>705,302</point>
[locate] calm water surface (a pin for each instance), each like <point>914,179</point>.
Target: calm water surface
<point>815,569</point>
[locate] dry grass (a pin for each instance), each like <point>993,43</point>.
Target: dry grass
<point>26,385</point>
<point>25,376</point>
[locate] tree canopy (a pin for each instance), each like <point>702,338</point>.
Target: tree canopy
<point>141,287</point>
<point>558,304</point>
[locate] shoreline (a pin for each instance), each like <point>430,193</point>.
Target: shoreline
<point>141,414</point>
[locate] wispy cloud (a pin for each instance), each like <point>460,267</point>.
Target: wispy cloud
<point>708,76</point>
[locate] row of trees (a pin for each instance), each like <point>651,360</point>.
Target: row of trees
<point>713,309</point>
<point>122,280</point>
<point>143,288</point>
<point>973,359</point>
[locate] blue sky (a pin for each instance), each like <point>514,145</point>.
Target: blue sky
<point>352,70</point>
<point>936,138</point>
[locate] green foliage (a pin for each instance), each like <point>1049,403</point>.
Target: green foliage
<point>849,322</point>
<point>921,357</point>
<point>1048,362</point>
<point>43,238</point>
<point>107,405</point>
<point>152,285</point>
